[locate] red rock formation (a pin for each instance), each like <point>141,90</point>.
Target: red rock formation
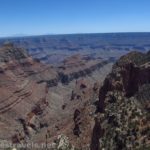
<point>19,90</point>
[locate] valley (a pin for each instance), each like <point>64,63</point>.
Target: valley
<point>76,88</point>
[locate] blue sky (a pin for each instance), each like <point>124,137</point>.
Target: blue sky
<point>33,17</point>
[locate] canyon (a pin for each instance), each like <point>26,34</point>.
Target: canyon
<point>39,99</point>
<point>77,90</point>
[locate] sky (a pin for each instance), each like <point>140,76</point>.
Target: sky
<point>37,17</point>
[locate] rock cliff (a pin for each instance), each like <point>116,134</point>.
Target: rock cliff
<point>123,108</point>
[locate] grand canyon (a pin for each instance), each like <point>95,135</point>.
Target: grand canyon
<point>76,92</point>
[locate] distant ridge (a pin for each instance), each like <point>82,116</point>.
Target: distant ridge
<point>61,34</point>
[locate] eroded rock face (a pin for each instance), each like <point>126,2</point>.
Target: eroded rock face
<point>126,77</point>
<point>122,110</point>
<point>20,92</point>
<point>36,98</point>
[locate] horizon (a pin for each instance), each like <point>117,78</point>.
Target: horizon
<point>38,35</point>
<point>44,17</point>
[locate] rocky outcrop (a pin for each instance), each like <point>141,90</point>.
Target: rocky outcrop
<point>121,109</point>
<point>127,76</point>
<point>62,143</point>
<point>8,53</point>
